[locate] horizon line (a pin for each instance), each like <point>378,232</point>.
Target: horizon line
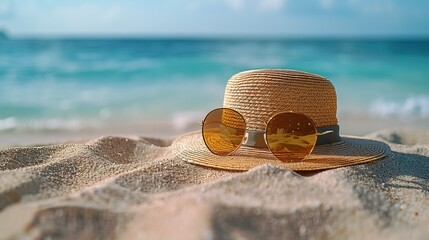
<point>211,37</point>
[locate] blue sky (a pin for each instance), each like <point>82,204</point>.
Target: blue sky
<point>216,17</point>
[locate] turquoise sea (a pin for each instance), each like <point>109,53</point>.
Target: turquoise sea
<point>75,84</point>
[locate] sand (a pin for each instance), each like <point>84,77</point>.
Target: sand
<point>135,188</point>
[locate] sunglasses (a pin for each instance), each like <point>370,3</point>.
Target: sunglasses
<point>289,136</point>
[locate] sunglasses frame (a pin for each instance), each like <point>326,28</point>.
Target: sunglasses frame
<point>264,132</point>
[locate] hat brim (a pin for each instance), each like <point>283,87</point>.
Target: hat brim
<point>350,150</point>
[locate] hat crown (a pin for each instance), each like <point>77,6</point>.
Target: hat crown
<point>259,94</point>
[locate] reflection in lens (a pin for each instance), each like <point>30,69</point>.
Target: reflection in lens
<point>291,136</point>
<point>223,131</point>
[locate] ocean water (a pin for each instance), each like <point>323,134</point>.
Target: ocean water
<point>78,84</point>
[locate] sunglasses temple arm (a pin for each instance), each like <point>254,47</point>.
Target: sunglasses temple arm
<point>327,132</point>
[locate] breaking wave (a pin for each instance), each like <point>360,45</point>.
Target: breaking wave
<point>51,124</point>
<point>415,106</point>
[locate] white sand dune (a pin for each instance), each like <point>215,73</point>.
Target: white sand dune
<point>123,188</point>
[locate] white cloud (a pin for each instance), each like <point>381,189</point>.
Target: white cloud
<point>193,6</point>
<point>89,13</point>
<point>326,3</point>
<point>84,18</point>
<point>264,5</point>
<point>376,8</point>
<point>210,17</point>
<point>236,5</point>
<point>271,5</point>
<point>5,8</point>
<point>379,8</point>
<point>112,15</point>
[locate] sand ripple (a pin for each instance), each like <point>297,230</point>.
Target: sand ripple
<point>114,187</point>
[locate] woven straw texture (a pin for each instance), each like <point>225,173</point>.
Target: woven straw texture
<point>258,95</point>
<point>349,151</point>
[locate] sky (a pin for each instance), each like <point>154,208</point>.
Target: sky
<point>215,17</point>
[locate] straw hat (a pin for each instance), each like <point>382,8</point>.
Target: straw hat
<point>258,95</point>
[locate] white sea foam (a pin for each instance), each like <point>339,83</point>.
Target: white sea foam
<point>105,113</point>
<point>54,124</point>
<point>8,124</point>
<point>183,120</point>
<point>50,124</point>
<point>415,106</point>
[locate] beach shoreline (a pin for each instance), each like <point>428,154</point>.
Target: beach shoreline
<point>356,125</point>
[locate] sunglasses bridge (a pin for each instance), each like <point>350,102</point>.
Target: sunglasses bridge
<point>256,139</point>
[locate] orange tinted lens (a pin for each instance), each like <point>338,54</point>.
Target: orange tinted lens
<point>223,131</point>
<point>291,136</point>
